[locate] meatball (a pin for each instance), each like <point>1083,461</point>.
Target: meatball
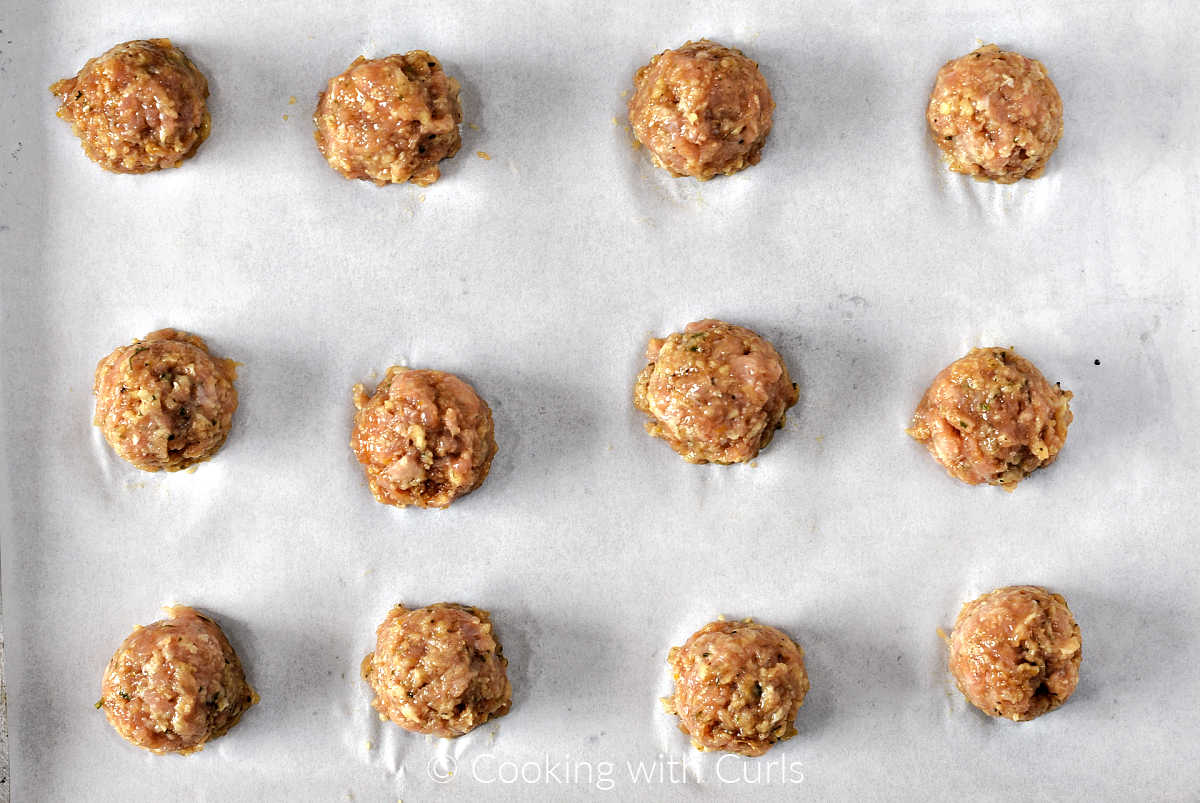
<point>701,110</point>
<point>715,392</point>
<point>175,684</point>
<point>424,438</point>
<point>438,670</point>
<point>992,417</point>
<point>140,107</point>
<point>390,120</point>
<point>996,115</point>
<point>164,402</point>
<point>1015,652</point>
<point>738,687</point>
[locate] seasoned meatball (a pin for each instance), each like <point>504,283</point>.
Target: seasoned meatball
<point>139,107</point>
<point>715,392</point>
<point>438,670</point>
<point>738,687</point>
<point>701,110</point>
<point>996,115</point>
<point>1015,652</point>
<point>390,120</point>
<point>992,417</point>
<point>164,402</point>
<point>424,438</point>
<point>175,684</point>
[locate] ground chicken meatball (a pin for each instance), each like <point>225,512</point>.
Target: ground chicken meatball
<point>992,417</point>
<point>715,392</point>
<point>996,115</point>
<point>140,107</point>
<point>175,684</point>
<point>1015,652</point>
<point>438,670</point>
<point>424,438</point>
<point>164,402</point>
<point>738,687</point>
<point>390,120</point>
<point>701,110</point>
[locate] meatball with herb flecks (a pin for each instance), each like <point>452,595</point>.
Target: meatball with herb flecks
<point>738,686</point>
<point>176,684</point>
<point>165,403</point>
<point>1015,652</point>
<point>991,417</point>
<point>138,108</point>
<point>390,120</point>
<point>438,670</point>
<point>424,438</point>
<point>701,109</point>
<point>995,115</point>
<point>715,392</point>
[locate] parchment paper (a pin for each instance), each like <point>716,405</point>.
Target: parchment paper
<point>538,275</point>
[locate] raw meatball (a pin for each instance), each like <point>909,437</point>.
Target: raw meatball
<point>175,684</point>
<point>996,115</point>
<point>139,107</point>
<point>1015,652</point>
<point>701,110</point>
<point>424,438</point>
<point>164,402</point>
<point>992,417</point>
<point>715,392</point>
<point>390,120</point>
<point>438,670</point>
<point>738,687</point>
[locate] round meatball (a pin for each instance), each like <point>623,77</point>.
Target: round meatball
<point>140,107</point>
<point>738,687</point>
<point>390,120</point>
<point>992,417</point>
<point>996,115</point>
<point>715,392</point>
<point>424,438</point>
<point>175,684</point>
<point>1015,652</point>
<point>438,670</point>
<point>701,110</point>
<point>164,402</point>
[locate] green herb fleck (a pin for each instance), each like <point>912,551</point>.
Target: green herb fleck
<point>136,352</point>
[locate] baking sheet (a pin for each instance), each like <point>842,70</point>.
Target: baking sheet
<point>538,275</point>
